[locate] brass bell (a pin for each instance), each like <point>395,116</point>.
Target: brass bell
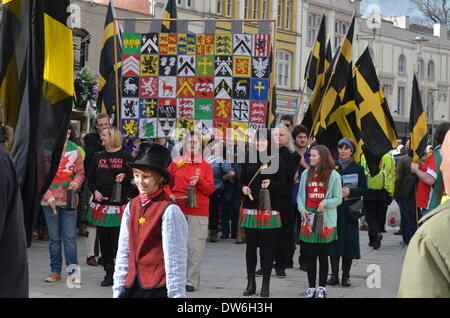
<point>71,200</point>
<point>264,200</point>
<point>191,201</point>
<point>116,193</point>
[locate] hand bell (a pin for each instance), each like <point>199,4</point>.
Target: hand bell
<point>116,194</point>
<point>191,201</point>
<point>71,200</point>
<point>264,200</point>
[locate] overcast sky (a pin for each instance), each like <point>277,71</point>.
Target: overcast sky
<point>391,8</point>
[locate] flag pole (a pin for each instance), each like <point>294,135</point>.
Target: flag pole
<point>307,77</point>
<point>116,71</point>
<point>301,97</point>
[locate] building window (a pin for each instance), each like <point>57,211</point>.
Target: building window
<point>280,13</point>
<point>255,9</point>
<point>81,40</point>
<point>229,7</point>
<point>400,101</point>
<point>264,9</point>
<point>387,91</point>
<point>152,7</point>
<point>340,29</point>
<point>430,71</point>
<point>402,64</point>
<point>246,9</point>
<point>283,68</point>
<point>219,7</point>
<point>288,15</point>
<point>313,25</point>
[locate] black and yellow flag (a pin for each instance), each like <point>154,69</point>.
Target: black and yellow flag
<point>335,89</point>
<point>36,89</point>
<point>107,100</point>
<point>378,128</point>
<point>315,74</point>
<point>418,128</point>
<point>170,12</point>
<point>343,122</point>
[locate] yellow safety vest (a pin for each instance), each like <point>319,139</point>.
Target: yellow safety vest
<point>385,179</point>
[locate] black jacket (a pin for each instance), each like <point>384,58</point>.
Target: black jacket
<point>14,279</point>
<point>92,145</point>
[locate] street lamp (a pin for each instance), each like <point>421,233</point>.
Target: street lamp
<point>431,105</point>
<point>419,39</point>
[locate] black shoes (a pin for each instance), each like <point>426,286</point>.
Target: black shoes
<point>108,281</point>
<point>345,281</point>
<point>280,272</point>
<point>213,236</point>
<point>399,232</point>
<point>259,273</point>
<point>265,286</point>
<point>251,286</point>
<point>333,281</point>
<point>190,289</point>
<point>377,242</point>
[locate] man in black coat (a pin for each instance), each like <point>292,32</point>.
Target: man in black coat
<point>14,279</point>
<point>92,141</point>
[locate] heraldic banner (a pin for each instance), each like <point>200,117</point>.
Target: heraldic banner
<point>202,82</point>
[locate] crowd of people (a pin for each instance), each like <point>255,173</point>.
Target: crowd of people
<point>152,212</point>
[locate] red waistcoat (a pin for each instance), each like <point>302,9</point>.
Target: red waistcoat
<point>146,258</point>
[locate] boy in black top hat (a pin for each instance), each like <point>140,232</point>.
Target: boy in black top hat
<point>151,259</point>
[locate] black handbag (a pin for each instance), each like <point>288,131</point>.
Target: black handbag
<point>356,210</point>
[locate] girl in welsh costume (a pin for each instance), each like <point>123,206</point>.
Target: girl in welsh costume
<point>261,224</point>
<point>320,193</point>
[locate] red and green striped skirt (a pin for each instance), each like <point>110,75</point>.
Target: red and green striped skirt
<point>260,219</point>
<point>105,215</point>
<point>327,235</point>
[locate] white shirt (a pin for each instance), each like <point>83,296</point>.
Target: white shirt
<point>174,239</point>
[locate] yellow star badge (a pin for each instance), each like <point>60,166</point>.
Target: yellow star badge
<point>141,221</point>
<point>180,164</point>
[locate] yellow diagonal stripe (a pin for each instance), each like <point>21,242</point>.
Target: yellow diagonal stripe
<point>58,63</point>
<point>419,131</point>
<point>7,1</point>
<point>108,33</point>
<point>166,15</point>
<point>372,104</point>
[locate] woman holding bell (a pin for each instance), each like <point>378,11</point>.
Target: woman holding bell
<point>192,184</point>
<point>320,192</point>
<point>260,220</point>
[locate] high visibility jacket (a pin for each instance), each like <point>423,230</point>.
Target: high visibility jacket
<point>385,179</point>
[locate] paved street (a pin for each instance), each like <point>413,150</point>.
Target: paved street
<point>224,274</point>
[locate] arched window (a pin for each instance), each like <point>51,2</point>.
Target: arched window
<point>284,60</point>
<point>402,64</point>
<point>430,70</point>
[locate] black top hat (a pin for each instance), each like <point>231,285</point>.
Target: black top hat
<point>153,156</point>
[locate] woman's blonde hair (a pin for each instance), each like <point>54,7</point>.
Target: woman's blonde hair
<point>116,137</point>
<point>290,145</point>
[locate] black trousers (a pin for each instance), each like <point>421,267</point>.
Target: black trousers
<point>215,204</point>
<point>136,291</point>
<point>109,240</point>
<point>375,216</point>
<point>314,251</point>
<point>264,239</point>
